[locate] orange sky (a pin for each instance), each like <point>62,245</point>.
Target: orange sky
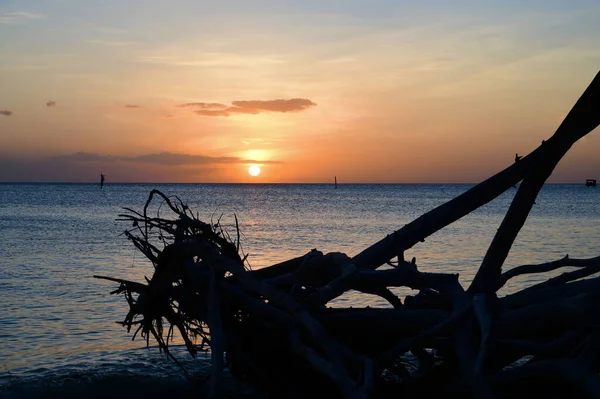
<point>376,91</point>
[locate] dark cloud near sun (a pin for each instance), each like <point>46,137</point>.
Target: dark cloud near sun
<point>85,166</point>
<point>85,157</point>
<point>168,158</point>
<point>51,104</point>
<point>5,112</point>
<point>162,158</point>
<point>250,107</point>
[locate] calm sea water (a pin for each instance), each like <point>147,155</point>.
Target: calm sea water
<point>58,334</point>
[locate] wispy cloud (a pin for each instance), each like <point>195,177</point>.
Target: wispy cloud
<point>133,106</point>
<point>168,158</point>
<point>203,105</point>
<point>292,105</point>
<point>85,157</point>
<point>251,107</point>
<point>162,158</point>
<point>87,167</point>
<point>105,29</point>
<point>51,104</point>
<point>24,67</point>
<point>18,17</point>
<point>113,43</point>
<point>5,112</point>
<point>207,60</point>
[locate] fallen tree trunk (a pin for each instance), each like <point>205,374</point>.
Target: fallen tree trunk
<point>273,329</point>
<point>583,118</point>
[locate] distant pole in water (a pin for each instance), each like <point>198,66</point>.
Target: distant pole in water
<point>335,181</point>
<point>101,180</point>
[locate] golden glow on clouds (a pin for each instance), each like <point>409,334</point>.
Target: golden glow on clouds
<point>259,155</point>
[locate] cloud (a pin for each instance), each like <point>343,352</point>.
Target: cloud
<point>51,104</point>
<point>211,112</point>
<point>24,67</point>
<point>85,157</point>
<point>18,17</point>
<point>110,43</point>
<point>252,107</point>
<point>211,60</point>
<point>168,158</point>
<point>162,158</point>
<point>260,162</point>
<point>203,105</point>
<point>133,106</point>
<point>16,169</point>
<point>292,105</point>
<point>110,30</point>
<point>5,112</point>
<point>85,166</point>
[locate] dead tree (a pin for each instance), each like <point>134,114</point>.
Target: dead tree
<point>272,327</point>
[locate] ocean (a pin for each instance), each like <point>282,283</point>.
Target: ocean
<point>58,336</point>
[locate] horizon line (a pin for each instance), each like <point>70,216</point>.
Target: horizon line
<point>258,183</point>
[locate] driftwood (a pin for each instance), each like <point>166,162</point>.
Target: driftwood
<point>273,330</point>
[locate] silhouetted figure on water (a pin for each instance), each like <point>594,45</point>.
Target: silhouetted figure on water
<point>101,180</point>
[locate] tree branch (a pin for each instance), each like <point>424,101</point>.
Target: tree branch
<point>583,118</point>
<point>547,267</point>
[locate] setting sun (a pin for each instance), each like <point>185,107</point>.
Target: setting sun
<point>254,170</point>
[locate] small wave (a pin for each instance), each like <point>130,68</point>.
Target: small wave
<point>138,373</point>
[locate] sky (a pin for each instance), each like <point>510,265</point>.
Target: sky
<point>370,91</point>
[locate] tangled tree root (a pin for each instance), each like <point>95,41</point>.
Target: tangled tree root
<point>272,327</point>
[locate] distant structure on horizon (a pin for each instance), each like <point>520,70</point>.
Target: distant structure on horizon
<point>101,180</point>
<point>335,181</point>
<point>590,183</point>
